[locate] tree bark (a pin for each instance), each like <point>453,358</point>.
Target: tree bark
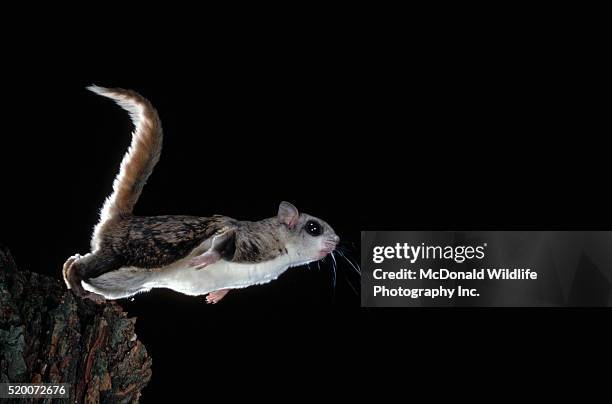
<point>47,335</point>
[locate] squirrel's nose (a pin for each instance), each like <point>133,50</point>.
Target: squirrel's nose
<point>335,238</point>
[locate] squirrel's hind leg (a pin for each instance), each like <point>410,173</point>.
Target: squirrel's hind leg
<point>78,268</point>
<point>214,297</point>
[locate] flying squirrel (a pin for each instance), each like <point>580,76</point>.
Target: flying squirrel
<point>192,255</point>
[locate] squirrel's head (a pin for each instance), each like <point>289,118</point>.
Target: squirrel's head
<point>312,238</point>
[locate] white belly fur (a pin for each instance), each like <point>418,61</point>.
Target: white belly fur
<point>220,275</point>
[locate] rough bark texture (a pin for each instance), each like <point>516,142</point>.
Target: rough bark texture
<point>49,336</point>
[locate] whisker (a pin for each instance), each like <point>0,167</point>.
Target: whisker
<point>356,268</point>
<point>334,268</point>
<point>352,287</point>
<point>334,258</point>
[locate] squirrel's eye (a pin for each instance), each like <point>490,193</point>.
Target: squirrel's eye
<point>313,228</point>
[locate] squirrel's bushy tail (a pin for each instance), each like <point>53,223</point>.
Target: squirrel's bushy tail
<point>139,161</point>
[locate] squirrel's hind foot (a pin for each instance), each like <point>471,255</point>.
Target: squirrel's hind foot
<point>73,278</point>
<point>214,297</point>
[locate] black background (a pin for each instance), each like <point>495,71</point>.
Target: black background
<point>407,133</point>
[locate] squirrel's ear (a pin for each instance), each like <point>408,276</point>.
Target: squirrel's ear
<point>288,214</point>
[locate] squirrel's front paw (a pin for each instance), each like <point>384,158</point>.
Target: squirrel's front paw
<point>204,260</point>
